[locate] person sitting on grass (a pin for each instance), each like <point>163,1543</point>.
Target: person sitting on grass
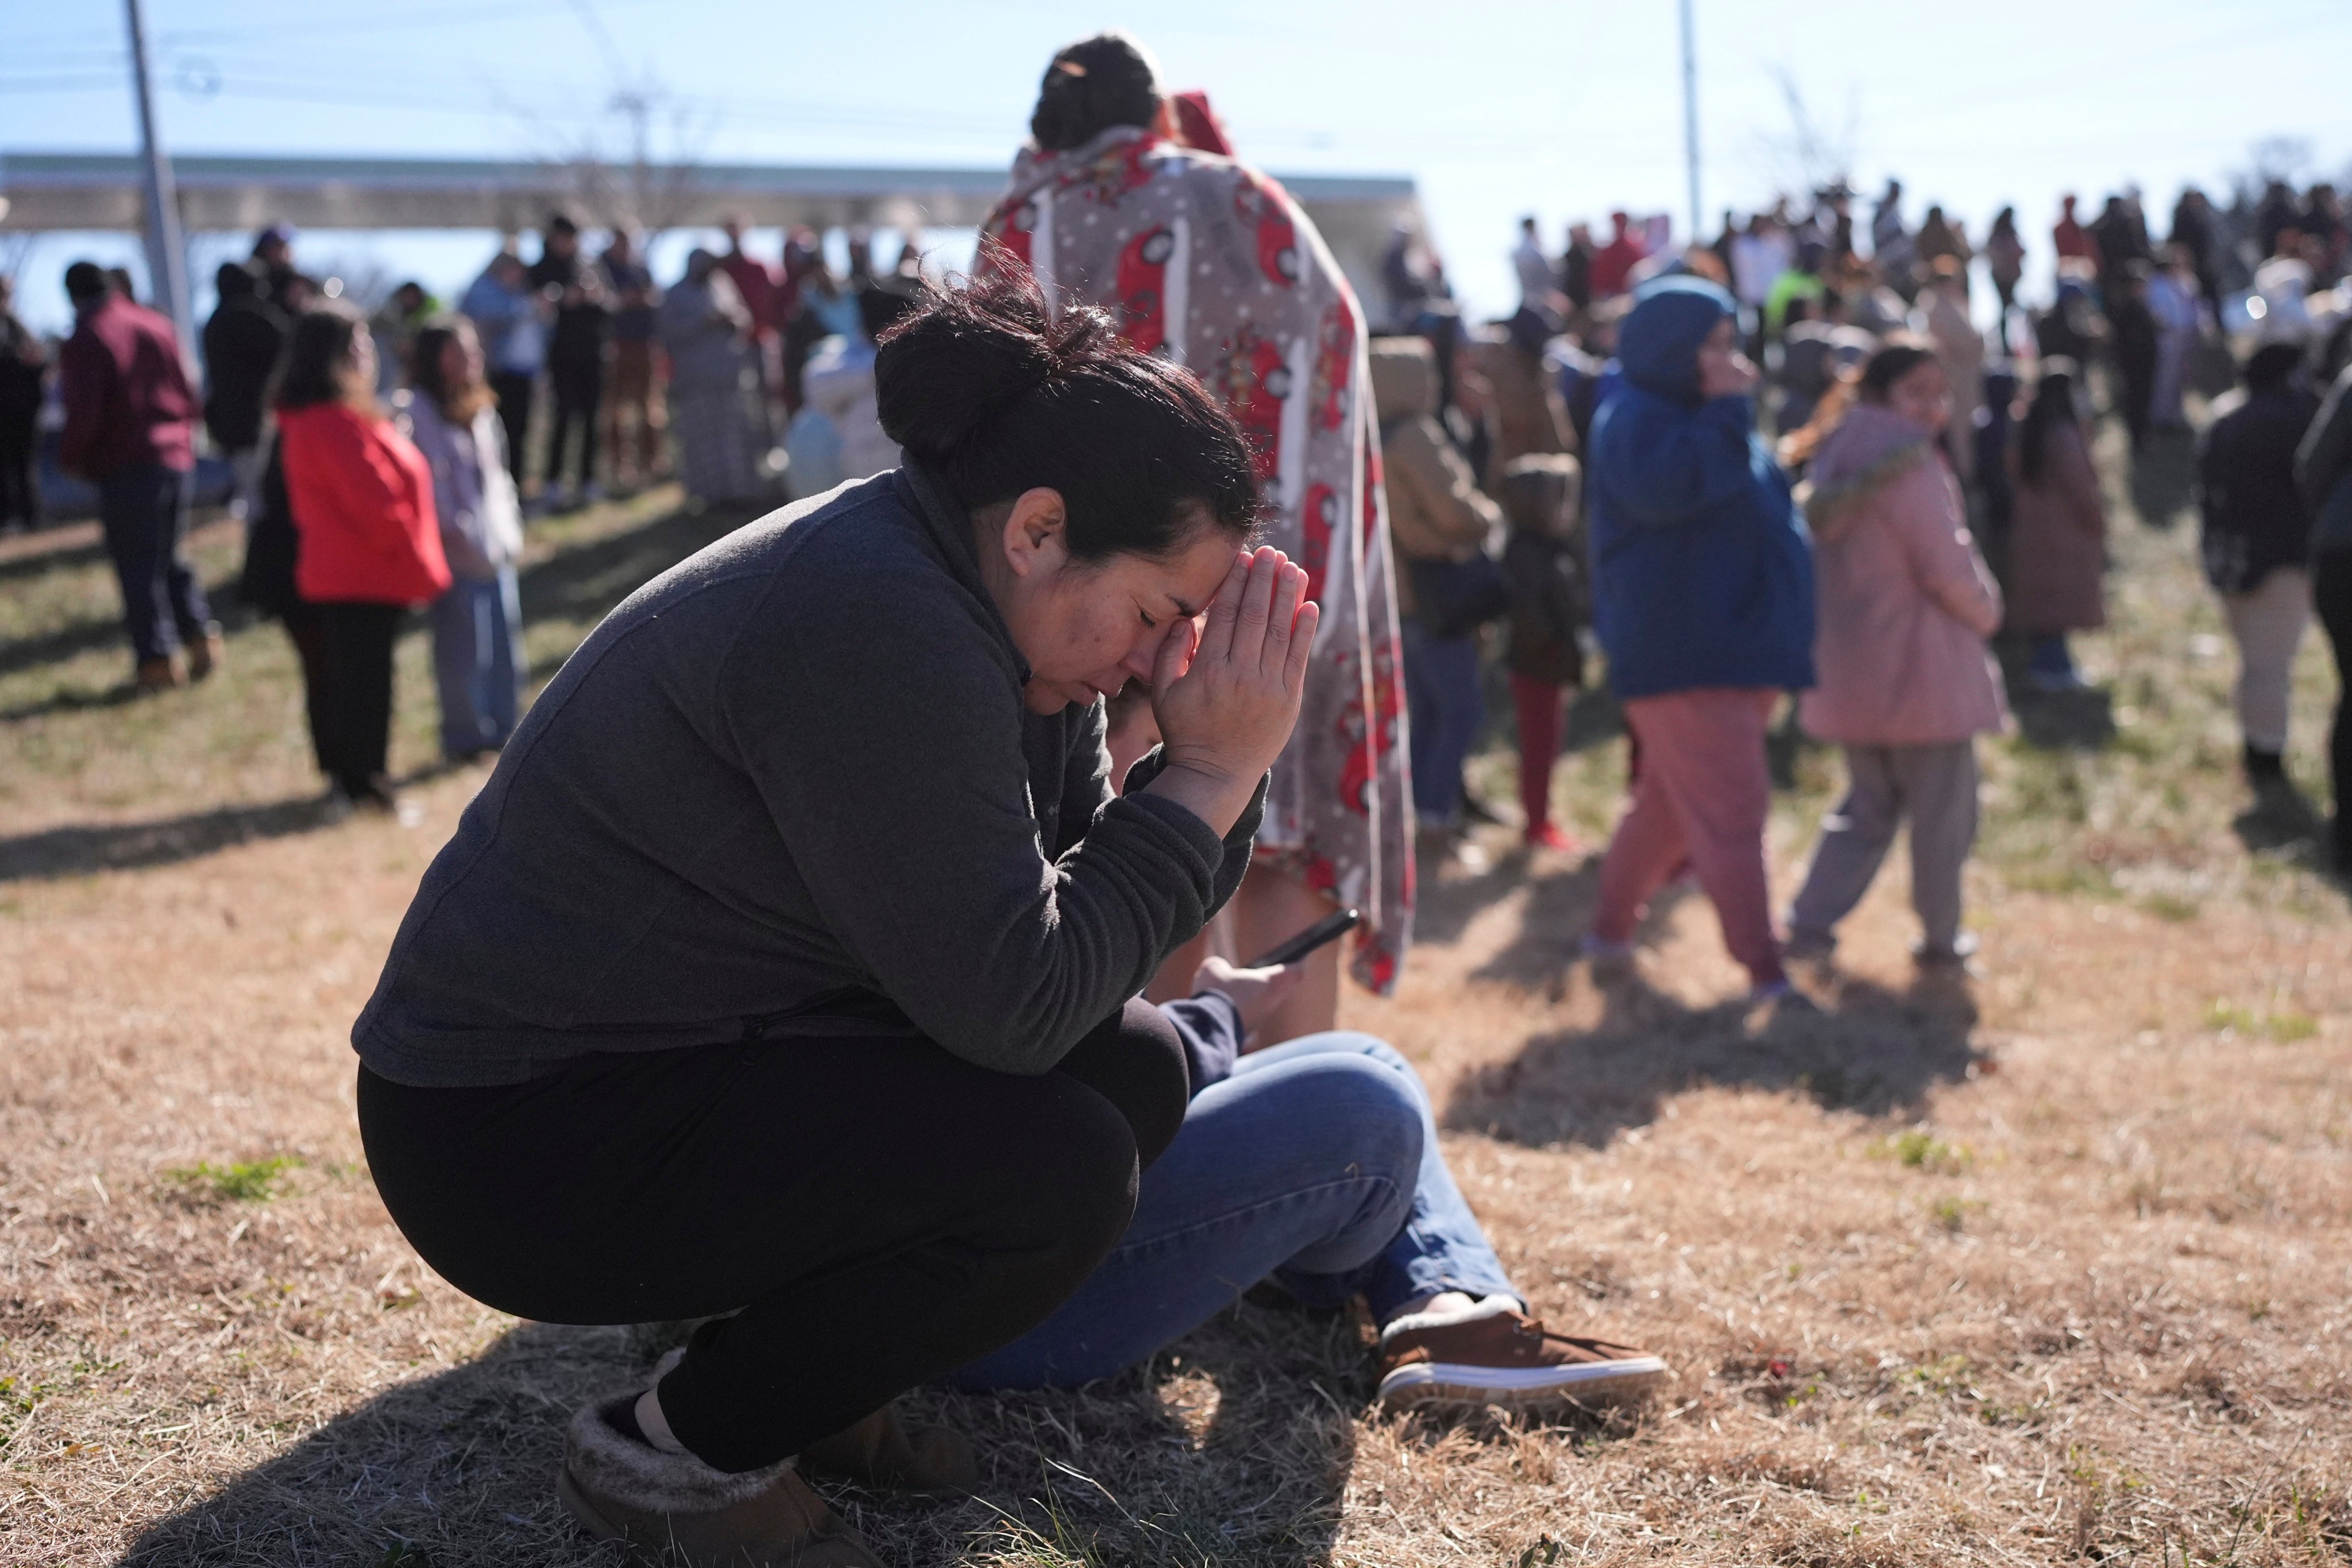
<point>1313,1164</point>
<point>783,973</point>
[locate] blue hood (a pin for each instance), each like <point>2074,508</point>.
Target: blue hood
<point>1660,337</point>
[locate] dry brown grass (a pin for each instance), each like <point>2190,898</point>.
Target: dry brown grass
<point>2050,1270</point>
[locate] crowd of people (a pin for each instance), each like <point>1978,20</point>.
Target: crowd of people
<point>788,973</point>
<point>1938,450</point>
<point>380,461</point>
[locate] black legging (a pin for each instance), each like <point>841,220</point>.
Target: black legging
<point>880,1211</point>
<point>579,392</point>
<point>2331,594</point>
<point>350,689</point>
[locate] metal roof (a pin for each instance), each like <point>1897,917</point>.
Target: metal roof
<point>102,191</point>
<point>53,191</point>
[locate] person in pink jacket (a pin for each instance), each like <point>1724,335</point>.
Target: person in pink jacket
<point>1905,603</point>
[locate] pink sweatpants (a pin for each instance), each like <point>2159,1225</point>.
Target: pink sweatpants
<point>1703,796</point>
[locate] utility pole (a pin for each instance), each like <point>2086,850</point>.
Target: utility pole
<point>1690,117</point>
<point>167,266</point>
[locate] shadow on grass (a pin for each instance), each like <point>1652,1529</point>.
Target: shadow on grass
<point>1552,922</point>
<point>2281,820</point>
<point>457,1468</point>
<point>1877,1051</point>
<point>2078,720</point>
<point>133,846</point>
<point>57,548</point>
<point>2163,478</point>
<point>450,1469</point>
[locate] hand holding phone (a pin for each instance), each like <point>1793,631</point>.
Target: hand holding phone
<point>1330,929</point>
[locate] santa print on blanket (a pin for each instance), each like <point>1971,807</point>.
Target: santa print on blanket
<point>1209,263</point>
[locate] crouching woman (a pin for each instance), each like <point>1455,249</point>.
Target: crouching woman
<point>781,973</point>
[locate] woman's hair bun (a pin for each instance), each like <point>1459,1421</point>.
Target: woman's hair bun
<point>960,357</point>
<point>996,394</point>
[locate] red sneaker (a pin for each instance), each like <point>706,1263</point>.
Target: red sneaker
<point>1551,835</point>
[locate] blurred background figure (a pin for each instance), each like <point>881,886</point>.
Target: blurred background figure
<point>2256,549</point>
<point>757,287</point>
<point>2057,530</point>
<point>1442,529</point>
<point>24,366</point>
<point>242,341</point>
<point>368,542</point>
<point>705,330</point>
<point>1543,570</point>
<point>453,419</point>
<point>633,411</point>
<point>576,352</point>
<point>838,436</point>
<point>2322,472</point>
<point>510,317</point>
<point>131,428</point>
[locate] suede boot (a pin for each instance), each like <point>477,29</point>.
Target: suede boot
<point>878,1452</point>
<point>674,1512</point>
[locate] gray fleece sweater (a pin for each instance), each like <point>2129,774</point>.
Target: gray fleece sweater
<point>786,788</point>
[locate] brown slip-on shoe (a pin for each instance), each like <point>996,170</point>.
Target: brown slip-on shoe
<point>156,675</point>
<point>879,1452</point>
<point>672,1511</point>
<point>206,653</point>
<point>1496,1354</point>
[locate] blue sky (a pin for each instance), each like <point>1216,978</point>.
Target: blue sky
<point>1561,110</point>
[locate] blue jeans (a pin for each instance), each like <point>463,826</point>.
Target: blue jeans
<point>477,661</point>
<point>144,510</point>
<point>2051,657</point>
<point>1444,702</point>
<point>1316,1164</point>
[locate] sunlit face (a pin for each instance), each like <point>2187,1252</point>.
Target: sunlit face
<point>364,360</point>
<point>1922,395</point>
<point>461,361</point>
<point>1089,627</point>
<point>1723,370</point>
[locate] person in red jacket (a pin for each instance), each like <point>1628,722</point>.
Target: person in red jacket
<point>370,541</point>
<point>131,426</point>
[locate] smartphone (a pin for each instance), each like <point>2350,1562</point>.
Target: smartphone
<point>1331,928</point>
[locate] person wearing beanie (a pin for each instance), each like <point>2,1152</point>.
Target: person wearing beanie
<point>1703,600</point>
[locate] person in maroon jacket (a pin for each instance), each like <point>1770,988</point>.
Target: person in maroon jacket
<point>131,424</point>
<point>755,281</point>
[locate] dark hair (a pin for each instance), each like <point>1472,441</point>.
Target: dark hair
<point>881,303</point>
<point>1095,83</point>
<point>2054,401</point>
<point>1893,360</point>
<point>321,340</point>
<point>86,280</point>
<point>2273,366</point>
<point>999,395</point>
<point>424,355</point>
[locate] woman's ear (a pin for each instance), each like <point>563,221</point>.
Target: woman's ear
<point>1036,537</point>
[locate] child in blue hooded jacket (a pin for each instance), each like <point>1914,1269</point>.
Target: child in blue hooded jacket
<point>1703,598</point>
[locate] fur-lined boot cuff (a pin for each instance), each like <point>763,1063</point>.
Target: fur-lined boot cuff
<point>610,1464</point>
